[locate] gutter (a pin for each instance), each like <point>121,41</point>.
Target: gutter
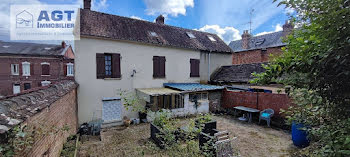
<point>209,66</point>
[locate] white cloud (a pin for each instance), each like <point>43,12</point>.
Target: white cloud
<point>278,27</point>
<point>227,34</point>
<point>168,7</point>
<point>136,17</point>
<point>99,5</point>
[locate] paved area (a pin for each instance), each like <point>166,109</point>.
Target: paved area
<point>249,140</point>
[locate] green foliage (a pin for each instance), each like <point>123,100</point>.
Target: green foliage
<point>131,101</point>
<point>316,64</point>
<point>69,147</point>
<point>204,118</point>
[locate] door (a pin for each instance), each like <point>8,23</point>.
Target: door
<point>112,110</point>
<point>16,88</point>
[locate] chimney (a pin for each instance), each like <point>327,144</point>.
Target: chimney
<point>87,4</point>
<point>63,44</point>
<point>287,28</point>
<point>160,19</point>
<point>245,39</point>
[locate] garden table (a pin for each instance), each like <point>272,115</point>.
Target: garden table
<point>250,111</point>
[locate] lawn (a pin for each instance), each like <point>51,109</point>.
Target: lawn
<point>248,140</point>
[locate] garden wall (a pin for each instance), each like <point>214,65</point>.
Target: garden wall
<point>255,100</point>
<point>50,112</point>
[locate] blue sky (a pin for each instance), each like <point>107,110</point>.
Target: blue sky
<point>227,18</point>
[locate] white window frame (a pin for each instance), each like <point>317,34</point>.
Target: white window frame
<point>45,83</point>
<point>12,69</point>
<point>45,63</point>
<point>16,85</point>
<point>24,64</point>
<point>70,73</point>
<point>211,38</point>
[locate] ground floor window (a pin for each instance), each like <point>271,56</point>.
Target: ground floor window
<point>16,88</point>
<point>27,86</point>
<point>170,101</point>
<point>198,96</point>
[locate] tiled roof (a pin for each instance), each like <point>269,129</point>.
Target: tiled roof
<point>259,42</point>
<point>19,48</point>
<point>237,73</point>
<point>17,109</point>
<point>115,27</point>
<point>192,86</point>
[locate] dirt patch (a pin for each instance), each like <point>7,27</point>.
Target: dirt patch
<point>249,140</point>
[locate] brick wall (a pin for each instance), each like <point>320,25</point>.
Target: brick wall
<point>49,111</point>
<point>254,56</point>
<point>7,80</point>
<point>261,101</point>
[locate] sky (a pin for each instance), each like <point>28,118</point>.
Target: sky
<point>226,18</point>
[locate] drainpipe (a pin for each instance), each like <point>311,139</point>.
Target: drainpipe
<point>208,67</point>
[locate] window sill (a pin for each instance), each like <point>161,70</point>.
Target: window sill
<point>159,77</point>
<point>14,74</point>
<point>70,75</point>
<point>45,75</point>
<point>194,76</point>
<point>26,75</point>
<point>112,78</point>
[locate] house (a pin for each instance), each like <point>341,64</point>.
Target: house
<point>257,49</point>
<point>119,53</point>
<point>28,65</point>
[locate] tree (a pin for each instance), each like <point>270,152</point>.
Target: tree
<point>316,63</point>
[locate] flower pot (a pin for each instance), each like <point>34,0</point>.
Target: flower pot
<point>299,136</point>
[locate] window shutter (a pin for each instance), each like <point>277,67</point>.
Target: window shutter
<point>194,67</point>
<point>155,66</point>
<point>116,65</point>
<point>162,66</point>
<point>45,69</point>
<point>100,65</point>
<point>32,69</point>
<point>65,69</point>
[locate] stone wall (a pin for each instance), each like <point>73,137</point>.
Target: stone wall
<point>50,112</point>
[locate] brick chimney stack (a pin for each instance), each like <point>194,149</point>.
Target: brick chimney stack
<point>63,44</point>
<point>87,4</point>
<point>245,39</point>
<point>160,19</point>
<point>287,28</point>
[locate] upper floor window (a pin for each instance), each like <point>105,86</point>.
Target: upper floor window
<point>70,69</point>
<point>194,67</point>
<point>159,66</point>
<point>14,69</point>
<point>189,34</point>
<point>45,68</point>
<point>211,38</point>
<point>107,65</point>
<point>26,68</point>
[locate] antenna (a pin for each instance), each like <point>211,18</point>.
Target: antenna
<point>250,21</point>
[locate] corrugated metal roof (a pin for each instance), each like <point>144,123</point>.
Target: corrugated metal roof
<point>158,91</point>
<point>192,86</point>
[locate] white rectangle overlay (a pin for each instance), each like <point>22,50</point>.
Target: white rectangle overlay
<point>44,22</point>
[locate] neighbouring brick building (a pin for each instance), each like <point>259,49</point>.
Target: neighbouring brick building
<point>257,49</point>
<point>51,111</point>
<point>28,65</point>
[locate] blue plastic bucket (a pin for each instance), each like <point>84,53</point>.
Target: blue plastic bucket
<point>299,137</point>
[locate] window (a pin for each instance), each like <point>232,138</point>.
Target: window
<point>263,50</point>
<point>194,69</point>
<point>107,65</point>
<point>159,66</point>
<point>153,34</point>
<point>211,38</point>
<point>168,102</point>
<point>27,86</point>
<point>70,69</point>
<point>45,83</point>
<point>189,34</point>
<point>45,69</point>
<point>14,69</point>
<point>26,68</point>
<point>199,96</point>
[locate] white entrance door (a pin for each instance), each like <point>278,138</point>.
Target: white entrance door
<point>16,88</point>
<point>112,110</point>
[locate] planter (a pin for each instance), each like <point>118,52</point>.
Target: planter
<point>155,131</point>
<point>299,137</point>
<point>207,127</point>
<point>207,139</point>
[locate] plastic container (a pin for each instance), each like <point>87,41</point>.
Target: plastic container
<point>299,137</point>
